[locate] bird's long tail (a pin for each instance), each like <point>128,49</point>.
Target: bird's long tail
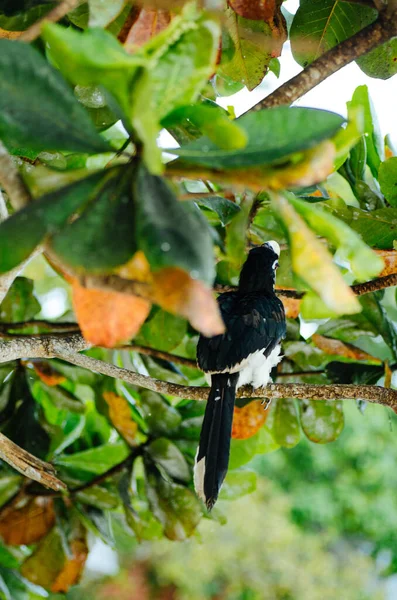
<point>212,458</point>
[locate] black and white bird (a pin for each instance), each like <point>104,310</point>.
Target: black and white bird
<point>245,354</point>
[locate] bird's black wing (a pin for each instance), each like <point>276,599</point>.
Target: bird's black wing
<point>253,322</point>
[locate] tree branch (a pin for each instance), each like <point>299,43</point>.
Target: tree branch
<point>28,465</point>
<point>40,346</point>
<point>57,13</point>
<point>372,36</point>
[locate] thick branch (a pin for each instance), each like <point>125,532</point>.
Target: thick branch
<point>40,346</point>
<point>57,13</point>
<point>372,36</point>
<point>28,465</point>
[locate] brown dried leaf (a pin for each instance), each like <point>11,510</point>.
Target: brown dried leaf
<point>291,306</point>
<point>390,260</point>
<point>177,292</point>
<point>26,520</point>
<point>47,373</point>
<point>108,318</point>
<point>73,568</point>
<point>10,35</point>
<point>338,348</point>
<point>149,23</point>
<point>120,416</point>
<point>248,420</point>
<point>257,10</point>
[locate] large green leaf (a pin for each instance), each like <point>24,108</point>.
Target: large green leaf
<point>238,484</point>
<point>37,107</point>
<point>388,180</point>
<point>242,451</point>
<point>167,455</point>
<point>322,421</point>
<point>171,233</point>
<point>364,263</point>
<point>102,238</point>
<point>103,12</point>
<point>23,231</point>
<point>378,228</point>
<point>95,460</point>
<point>163,331</point>
<point>381,62</point>
<point>160,417</point>
<point>376,315</point>
<point>247,47</point>
<point>286,430</point>
<point>273,135</point>
<point>224,208</point>
<point>319,25</point>
<point>20,15</point>
<point>20,304</point>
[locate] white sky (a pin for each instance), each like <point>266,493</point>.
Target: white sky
<point>332,94</point>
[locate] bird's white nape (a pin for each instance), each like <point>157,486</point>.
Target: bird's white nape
<point>274,246</point>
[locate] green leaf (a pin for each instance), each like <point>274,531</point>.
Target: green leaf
<point>213,121</point>
<point>47,214</point>
<point>238,484</point>
<point>374,140</point>
<point>381,62</point>
<point>9,485</point>
<point>242,451</point>
<point>236,234</point>
<point>364,263</point>
<point>171,233</point>
<point>37,107</point>
<point>183,59</point>
<point>163,331</point>
<point>377,228</point>
<point>22,15</point>
<point>99,497</point>
<point>167,455</point>
<point>376,315</point>
<point>273,135</point>
<point>160,417</point>
<point>312,263</point>
<point>322,420</point>
<point>20,304</point>
<point>47,561</point>
<point>102,238</point>
<point>144,525</point>
<point>95,460</point>
<point>177,509</point>
<point>7,559</point>
<point>388,180</point>
<point>319,25</point>
<point>246,49</point>
<point>286,428</point>
<point>103,12</point>
<point>224,208</point>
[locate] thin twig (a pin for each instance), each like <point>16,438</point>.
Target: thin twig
<point>372,36</point>
<point>52,325</point>
<point>56,14</point>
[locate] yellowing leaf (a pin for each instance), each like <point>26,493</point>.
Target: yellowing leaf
<point>338,348</point>
<point>390,260</point>
<point>108,318</point>
<point>248,420</point>
<point>291,306</point>
<point>26,520</point>
<point>120,416</point>
<point>47,373</point>
<point>312,263</point>
<point>72,570</point>
<point>149,23</point>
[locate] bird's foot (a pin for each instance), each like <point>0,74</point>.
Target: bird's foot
<point>266,402</point>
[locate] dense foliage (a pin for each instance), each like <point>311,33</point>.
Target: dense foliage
<point>81,110</point>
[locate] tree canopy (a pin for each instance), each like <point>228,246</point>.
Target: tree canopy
<point>131,237</point>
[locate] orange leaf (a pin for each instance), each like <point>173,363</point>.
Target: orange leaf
<point>248,420</point>
<point>149,23</point>
<point>291,306</point>
<point>108,318</point>
<point>26,520</point>
<point>390,260</point>
<point>47,373</point>
<point>257,10</point>
<point>177,292</point>
<point>73,568</point>
<point>120,416</point>
<point>338,348</point>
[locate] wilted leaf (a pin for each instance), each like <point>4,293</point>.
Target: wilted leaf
<point>338,348</point>
<point>176,507</point>
<point>102,237</point>
<point>286,430</point>
<point>19,304</point>
<point>322,420</point>
<point>273,134</point>
<point>26,520</point>
<point>41,217</point>
<point>258,10</point>
<point>238,484</point>
<point>108,318</point>
<point>312,263</point>
<point>37,107</point>
<point>149,23</point>
<point>121,416</point>
<point>388,180</point>
<point>47,373</point>
<point>167,455</point>
<point>248,420</point>
<point>248,45</point>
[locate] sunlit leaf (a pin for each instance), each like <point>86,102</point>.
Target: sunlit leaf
<point>238,484</point>
<point>248,420</point>
<point>388,180</point>
<point>322,421</point>
<point>285,429</point>
<point>121,416</point>
<point>20,303</point>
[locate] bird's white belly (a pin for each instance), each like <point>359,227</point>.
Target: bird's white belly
<point>256,370</point>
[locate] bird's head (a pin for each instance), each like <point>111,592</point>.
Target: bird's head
<point>259,270</point>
